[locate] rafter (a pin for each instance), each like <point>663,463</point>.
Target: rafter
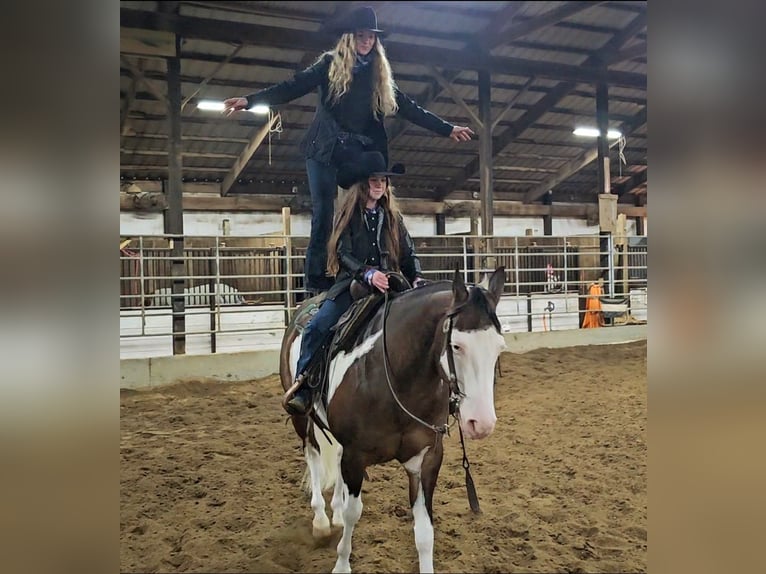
<point>246,154</point>
<point>545,104</point>
<point>581,161</point>
<point>634,181</point>
<point>128,101</point>
<point>549,18</point>
<point>138,76</point>
<point>627,54</point>
<point>207,80</point>
<point>457,98</point>
<point>255,34</point>
<point>483,42</point>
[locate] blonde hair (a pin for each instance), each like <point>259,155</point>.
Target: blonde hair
<point>355,201</point>
<point>340,75</point>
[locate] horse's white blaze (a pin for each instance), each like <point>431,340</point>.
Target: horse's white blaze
<point>343,361</point>
<point>475,369</point>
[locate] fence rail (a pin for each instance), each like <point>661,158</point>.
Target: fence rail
<point>245,288</point>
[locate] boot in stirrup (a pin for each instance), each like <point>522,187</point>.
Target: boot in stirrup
<point>297,399</point>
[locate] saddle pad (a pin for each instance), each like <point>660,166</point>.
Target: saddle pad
<point>307,312</point>
<point>351,322</point>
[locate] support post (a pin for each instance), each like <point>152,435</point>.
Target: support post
<point>606,205</point>
<point>289,294</point>
<point>173,215</point>
<point>485,152</point>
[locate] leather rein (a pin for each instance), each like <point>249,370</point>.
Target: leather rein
<point>456,395</point>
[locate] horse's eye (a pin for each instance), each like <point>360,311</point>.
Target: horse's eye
<point>456,348</point>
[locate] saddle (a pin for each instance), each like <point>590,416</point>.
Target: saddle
<point>366,303</point>
<point>367,300</point>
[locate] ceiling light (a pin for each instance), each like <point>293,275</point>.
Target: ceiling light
<point>593,133</point>
<point>210,105</point>
<point>259,109</point>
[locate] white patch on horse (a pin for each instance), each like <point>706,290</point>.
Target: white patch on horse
<point>424,530</point>
<point>475,360</point>
<point>343,361</point>
<point>413,465</point>
<point>295,353</point>
<point>321,523</point>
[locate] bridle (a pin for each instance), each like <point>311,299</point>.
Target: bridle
<point>439,429</point>
<point>455,396</point>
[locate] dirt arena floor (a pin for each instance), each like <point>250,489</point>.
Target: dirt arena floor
<point>210,478</point>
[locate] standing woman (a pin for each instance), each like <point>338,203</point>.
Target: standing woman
<point>356,93</point>
<point>369,238</point>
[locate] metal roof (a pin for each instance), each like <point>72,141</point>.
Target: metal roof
<point>554,45</point>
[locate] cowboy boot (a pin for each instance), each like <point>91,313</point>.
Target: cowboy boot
<point>297,399</point>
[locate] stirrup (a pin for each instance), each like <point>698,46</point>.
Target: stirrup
<point>290,394</point>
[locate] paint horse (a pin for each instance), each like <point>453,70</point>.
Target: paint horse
<point>389,398</point>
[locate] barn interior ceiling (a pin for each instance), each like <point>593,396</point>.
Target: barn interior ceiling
<point>544,60</point>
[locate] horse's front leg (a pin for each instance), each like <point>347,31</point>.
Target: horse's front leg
<point>338,501</point>
<point>352,475</point>
<point>423,469</point>
<point>321,523</point>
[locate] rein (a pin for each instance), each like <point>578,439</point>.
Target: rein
<point>441,429</point>
<point>454,400</point>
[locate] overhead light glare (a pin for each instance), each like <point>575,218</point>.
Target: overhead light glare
<point>593,133</point>
<point>210,105</point>
<point>259,109</point>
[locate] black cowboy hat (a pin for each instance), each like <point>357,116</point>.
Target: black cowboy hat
<point>366,165</point>
<point>363,18</point>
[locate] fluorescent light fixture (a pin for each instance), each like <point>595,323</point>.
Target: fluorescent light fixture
<point>259,109</point>
<point>593,133</point>
<point>210,105</point>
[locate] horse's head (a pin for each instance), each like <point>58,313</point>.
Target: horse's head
<point>475,343</point>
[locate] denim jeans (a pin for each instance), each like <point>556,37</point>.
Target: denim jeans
<point>319,327</point>
<point>323,187</point>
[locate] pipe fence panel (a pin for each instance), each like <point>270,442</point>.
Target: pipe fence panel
<point>239,292</point>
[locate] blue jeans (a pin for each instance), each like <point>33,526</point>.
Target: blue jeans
<point>319,327</point>
<point>323,187</point>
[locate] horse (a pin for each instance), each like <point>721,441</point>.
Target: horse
<point>425,353</point>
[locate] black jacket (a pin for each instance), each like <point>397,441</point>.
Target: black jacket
<point>352,113</point>
<point>355,251</point>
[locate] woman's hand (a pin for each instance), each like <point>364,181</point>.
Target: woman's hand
<point>379,281</point>
<point>234,105</point>
<point>461,134</point>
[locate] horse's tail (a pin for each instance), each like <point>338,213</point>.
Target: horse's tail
<point>330,456</point>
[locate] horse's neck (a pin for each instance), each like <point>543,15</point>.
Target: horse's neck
<point>421,322</point>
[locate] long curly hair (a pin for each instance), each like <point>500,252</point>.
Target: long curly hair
<point>355,202</point>
<point>340,76</point>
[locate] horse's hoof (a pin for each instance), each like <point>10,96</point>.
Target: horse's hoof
<point>319,532</point>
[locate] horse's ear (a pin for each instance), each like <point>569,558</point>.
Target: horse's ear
<point>484,283</point>
<point>496,282</point>
<point>459,292</point>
